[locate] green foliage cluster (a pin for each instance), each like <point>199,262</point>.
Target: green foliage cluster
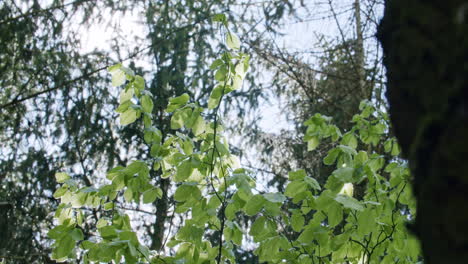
<point>330,223</point>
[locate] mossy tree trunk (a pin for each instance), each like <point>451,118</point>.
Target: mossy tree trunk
<point>426,55</point>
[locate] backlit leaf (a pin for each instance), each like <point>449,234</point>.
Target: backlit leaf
<point>232,41</point>
<point>128,117</point>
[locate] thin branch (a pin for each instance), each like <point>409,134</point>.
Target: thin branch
<point>36,12</point>
<point>361,244</point>
<point>170,227</point>
<point>357,66</point>
<point>86,75</point>
<point>393,223</point>
<point>223,204</point>
<point>291,73</point>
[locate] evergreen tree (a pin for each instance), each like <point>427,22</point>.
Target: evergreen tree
<point>55,101</point>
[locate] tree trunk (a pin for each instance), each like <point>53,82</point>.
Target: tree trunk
<point>365,91</point>
<point>426,55</point>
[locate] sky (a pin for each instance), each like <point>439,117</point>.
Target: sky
<point>300,36</point>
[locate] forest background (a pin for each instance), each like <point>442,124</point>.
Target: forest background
<point>57,107</point>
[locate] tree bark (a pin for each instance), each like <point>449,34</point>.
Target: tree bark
<point>162,207</point>
<point>425,47</point>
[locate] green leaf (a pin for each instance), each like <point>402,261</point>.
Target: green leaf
<point>190,233</point>
<point>147,103</point>
<point>129,72</point>
<point>294,188</point>
<point>123,106</point>
<point>272,209</point>
<point>258,226</point>
<point>232,41</point>
<point>185,192</point>
<point>324,200</point>
<point>144,250</point>
<point>349,202</point>
<point>297,221</point>
<point>366,221</point>
<point>361,158</point>
<point>114,68</point>
<point>297,175</point>
<point>118,78</point>
<point>126,95</point>
<point>312,143</point>
<point>334,132</point>
<point>139,83</point>
<point>220,76</point>
<point>254,205</point>
<point>344,174</point>
<point>198,126</point>
<point>130,236</point>
<point>241,70</point>
<point>77,234</point>
<point>230,211</point>
<point>128,117</point>
<point>152,135</point>
<point>215,97</point>
<point>216,63</point>
<point>177,102</point>
<point>213,102</point>
<point>108,206</point>
<point>335,214</point>
<point>388,145</point>
<point>150,195</point>
<point>331,157</point>
<point>61,177</point>
<point>108,232</point>
<point>135,167</point>
<point>184,170</point>
<point>58,232</point>
<point>349,139</point>
<point>347,150</point>
<point>309,234</point>
<point>128,195</point>
<point>64,247</point>
<point>87,244</point>
<point>395,150</point>
<point>312,183</point>
<point>182,99</point>
<point>392,146</point>
<point>275,197</point>
<point>237,82</point>
<point>101,223</point>
<point>219,18</point>
<point>132,250</point>
<point>60,192</point>
<point>180,117</point>
<point>237,235</point>
<point>376,162</point>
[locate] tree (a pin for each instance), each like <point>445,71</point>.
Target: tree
<point>333,83</point>
<point>212,190</point>
<point>425,45</point>
<point>42,65</point>
<point>88,142</point>
<point>37,55</point>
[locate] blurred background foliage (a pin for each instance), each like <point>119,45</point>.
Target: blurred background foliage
<point>56,104</point>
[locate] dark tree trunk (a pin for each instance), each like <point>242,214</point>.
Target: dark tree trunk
<point>426,55</point>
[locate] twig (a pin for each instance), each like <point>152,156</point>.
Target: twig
<point>223,201</point>
<point>86,75</point>
<point>42,11</point>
